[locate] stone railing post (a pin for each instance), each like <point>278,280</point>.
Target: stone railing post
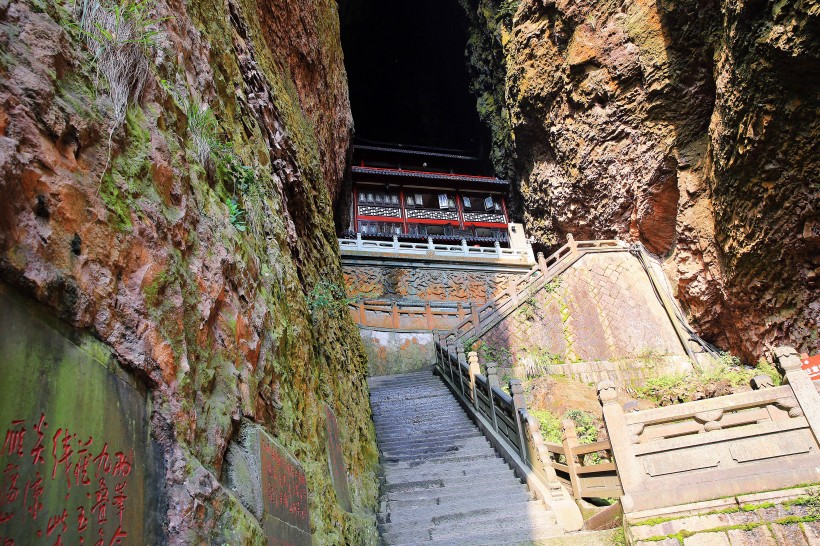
<point>519,403</point>
<point>619,438</point>
<point>802,385</point>
<point>542,264</point>
<point>450,350</point>
<point>436,345</point>
<point>464,247</point>
<point>395,243</point>
<point>497,246</point>
<point>474,311</point>
<point>462,360</point>
<point>430,245</point>
<point>492,381</point>
<point>761,382</point>
<point>569,438</point>
<point>492,374</point>
<point>475,369</point>
<point>572,244</point>
<point>358,241</point>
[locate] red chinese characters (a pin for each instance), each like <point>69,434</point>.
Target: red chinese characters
<point>284,486</point>
<point>85,484</point>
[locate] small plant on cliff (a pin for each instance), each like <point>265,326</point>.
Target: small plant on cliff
<point>328,298</point>
<point>237,215</point>
<point>121,38</point>
<point>202,124</point>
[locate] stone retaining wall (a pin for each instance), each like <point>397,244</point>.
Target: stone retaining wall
<point>776,518</point>
<point>390,352</point>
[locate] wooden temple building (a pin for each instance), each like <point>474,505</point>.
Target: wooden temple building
<point>421,194</point>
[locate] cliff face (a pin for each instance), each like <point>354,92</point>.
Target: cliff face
<point>206,273</point>
<point>689,126</point>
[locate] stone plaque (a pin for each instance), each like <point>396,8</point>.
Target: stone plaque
<point>685,460</point>
<point>75,463</point>
<point>338,471</point>
<point>284,495</point>
<point>768,447</point>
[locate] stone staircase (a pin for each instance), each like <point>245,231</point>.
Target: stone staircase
<point>443,483</point>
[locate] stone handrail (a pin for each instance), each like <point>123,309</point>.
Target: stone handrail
<point>505,421</point>
<point>526,285</point>
<point>742,443</point>
<point>404,248</point>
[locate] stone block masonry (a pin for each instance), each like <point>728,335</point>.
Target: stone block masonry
<point>602,308</point>
<point>776,518</point>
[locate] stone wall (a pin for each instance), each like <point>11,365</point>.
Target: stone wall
<point>688,125</point>
<point>602,308</point>
<point>196,269</point>
<point>391,352</point>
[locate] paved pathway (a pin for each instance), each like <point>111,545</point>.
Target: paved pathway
<point>443,483</point>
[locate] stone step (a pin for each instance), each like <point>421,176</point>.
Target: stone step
<point>436,420</point>
<point>418,394</point>
<point>457,456</point>
<point>452,471</point>
<point>431,414</point>
<point>410,521</point>
<point>477,451</point>
<point>401,405</point>
<point>522,535</point>
<point>465,490</point>
<point>458,511</point>
<point>421,431</point>
<point>443,462</point>
<point>379,380</point>
<point>401,441</point>
<point>507,528</point>
<point>511,493</point>
<point>418,398</point>
<point>454,444</point>
<point>486,480</point>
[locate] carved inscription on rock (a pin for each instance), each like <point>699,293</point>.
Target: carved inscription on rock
<point>75,467</point>
<point>338,471</point>
<point>284,496</point>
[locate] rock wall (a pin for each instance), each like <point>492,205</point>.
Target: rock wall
<point>199,271</point>
<point>689,126</point>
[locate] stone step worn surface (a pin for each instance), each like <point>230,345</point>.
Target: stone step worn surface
<point>442,482</point>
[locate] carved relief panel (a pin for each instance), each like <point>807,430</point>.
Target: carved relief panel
<point>425,284</point>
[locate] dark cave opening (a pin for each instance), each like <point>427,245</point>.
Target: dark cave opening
<point>407,74</point>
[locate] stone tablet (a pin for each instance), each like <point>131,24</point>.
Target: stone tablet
<point>284,495</point>
<point>75,463</point>
<point>338,471</point>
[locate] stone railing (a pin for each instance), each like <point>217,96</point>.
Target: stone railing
<point>731,445</point>
<point>430,249</point>
<point>514,433</point>
<point>520,290</point>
